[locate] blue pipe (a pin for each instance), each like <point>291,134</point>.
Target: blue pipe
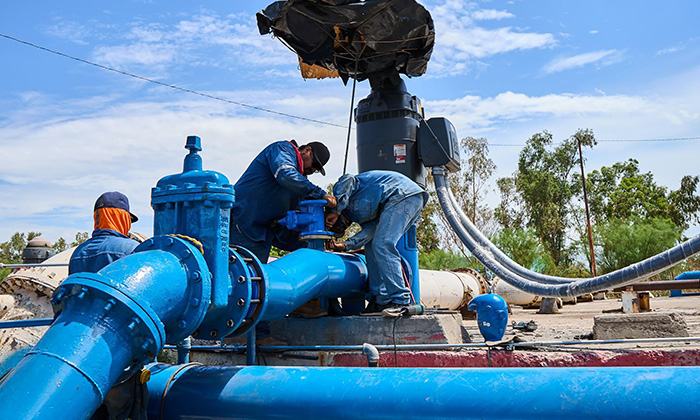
<point>307,274</point>
<point>107,325</point>
<point>23,323</point>
<point>408,248</point>
<point>259,392</point>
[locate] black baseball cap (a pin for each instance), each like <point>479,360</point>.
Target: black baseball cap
<point>321,155</point>
<point>116,200</point>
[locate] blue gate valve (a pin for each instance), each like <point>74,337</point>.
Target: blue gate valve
<point>310,222</point>
<point>491,315</point>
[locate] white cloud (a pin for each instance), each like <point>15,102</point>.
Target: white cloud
<point>204,39</point>
<point>460,41</point>
<point>670,50</point>
<point>604,57</point>
<point>491,14</point>
<point>593,32</point>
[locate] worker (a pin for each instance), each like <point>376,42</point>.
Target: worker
<point>385,204</point>
<point>109,242</point>
<point>273,184</point>
<point>110,239</point>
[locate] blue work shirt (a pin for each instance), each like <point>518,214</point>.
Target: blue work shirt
<point>271,186</point>
<point>105,246</point>
<point>362,197</point>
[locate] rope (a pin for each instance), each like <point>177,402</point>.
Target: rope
<point>193,241</point>
<point>352,105</point>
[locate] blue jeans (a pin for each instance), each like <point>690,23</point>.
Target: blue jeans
<point>386,281</point>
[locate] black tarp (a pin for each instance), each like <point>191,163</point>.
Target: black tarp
<point>379,38</point>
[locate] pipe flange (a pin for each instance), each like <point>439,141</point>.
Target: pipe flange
<point>198,293</point>
<point>145,325</point>
<point>259,286</point>
<point>221,322</point>
<point>483,284</point>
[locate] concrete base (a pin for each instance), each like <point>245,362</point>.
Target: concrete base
<point>642,325</point>
<point>443,328</point>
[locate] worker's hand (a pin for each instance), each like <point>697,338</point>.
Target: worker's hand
<point>332,202</point>
<point>331,218</point>
<point>335,246</point>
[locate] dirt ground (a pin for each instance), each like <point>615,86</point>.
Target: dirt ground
<point>575,321</point>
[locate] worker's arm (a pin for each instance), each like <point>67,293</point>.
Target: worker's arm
<point>361,238</point>
<point>284,164</point>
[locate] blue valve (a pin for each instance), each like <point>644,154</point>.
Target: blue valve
<point>308,220</point>
<point>491,315</point>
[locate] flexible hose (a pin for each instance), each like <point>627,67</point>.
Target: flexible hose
<point>536,283</point>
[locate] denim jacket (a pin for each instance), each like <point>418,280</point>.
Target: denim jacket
<point>362,197</point>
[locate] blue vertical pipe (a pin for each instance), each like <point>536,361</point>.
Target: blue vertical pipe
<point>408,248</point>
<point>307,274</point>
<point>259,392</point>
<point>107,325</point>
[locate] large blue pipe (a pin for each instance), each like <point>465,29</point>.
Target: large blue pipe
<point>308,274</point>
<point>258,392</point>
<point>107,325</point>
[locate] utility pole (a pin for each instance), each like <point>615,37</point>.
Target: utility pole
<point>588,214</point>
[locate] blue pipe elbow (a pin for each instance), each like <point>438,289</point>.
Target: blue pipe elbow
<point>107,325</point>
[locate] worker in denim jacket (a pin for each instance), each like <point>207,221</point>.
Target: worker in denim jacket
<point>385,204</point>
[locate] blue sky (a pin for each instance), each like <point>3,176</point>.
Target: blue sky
<point>502,70</point>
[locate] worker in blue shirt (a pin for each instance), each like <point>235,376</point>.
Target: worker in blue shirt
<point>273,184</point>
<point>385,204</point>
<point>110,242</point>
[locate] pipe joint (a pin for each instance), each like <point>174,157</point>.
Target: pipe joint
<point>372,354</point>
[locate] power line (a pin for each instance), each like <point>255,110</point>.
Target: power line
<point>194,92</point>
<point>283,114</point>
<point>606,141</point>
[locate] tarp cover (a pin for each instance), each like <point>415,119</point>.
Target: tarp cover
<point>379,38</point>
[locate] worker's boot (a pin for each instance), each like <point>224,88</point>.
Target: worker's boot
<point>309,310</point>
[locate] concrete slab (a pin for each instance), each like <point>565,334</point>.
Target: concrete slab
<point>642,325</point>
<point>442,328</point>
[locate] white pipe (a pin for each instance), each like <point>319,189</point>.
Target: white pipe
<point>450,290</point>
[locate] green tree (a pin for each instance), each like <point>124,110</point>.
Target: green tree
<point>626,241</point>
<point>509,213</point>
<point>427,231</point>
<point>440,259</point>
<point>546,184</point>
<point>61,245</point>
<point>622,192</point>
<point>470,188</point>
<point>11,251</point>
<point>524,247</point>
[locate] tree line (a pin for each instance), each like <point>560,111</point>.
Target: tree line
<point>11,251</point>
<point>540,221</point>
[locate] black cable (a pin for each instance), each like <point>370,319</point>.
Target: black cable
<point>194,92</point>
<point>352,106</point>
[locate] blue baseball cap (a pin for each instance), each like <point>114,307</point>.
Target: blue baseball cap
<point>116,200</point>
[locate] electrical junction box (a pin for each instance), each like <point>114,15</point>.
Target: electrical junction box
<point>438,144</point>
